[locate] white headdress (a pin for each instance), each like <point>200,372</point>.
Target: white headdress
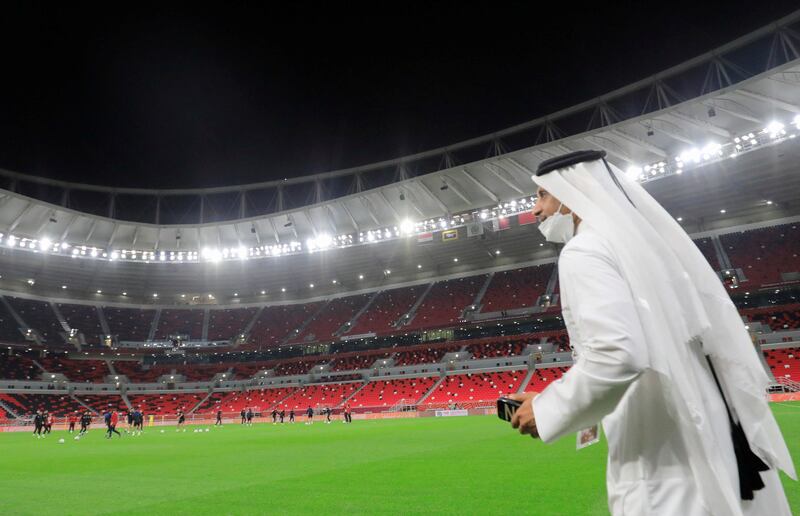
<point>681,303</point>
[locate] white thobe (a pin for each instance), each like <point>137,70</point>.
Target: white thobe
<point>648,470</point>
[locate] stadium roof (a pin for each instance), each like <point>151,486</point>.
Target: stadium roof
<point>714,133</point>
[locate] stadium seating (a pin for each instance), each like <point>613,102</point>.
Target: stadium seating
<point>445,302</point>
<point>202,372</point>
<point>424,355</point>
<point>248,369</point>
<point>559,339</point>
<point>39,315</point>
<point>83,318</point>
<point>226,323</point>
<point>784,363</point>
<point>763,254</point>
<point>387,308</point>
<point>296,367</point>
<point>129,324</point>
<point>542,377</point>
<point>356,362</point>
<point>58,404</point>
<point>93,371</point>
<point>101,403</point>
<point>135,372</point>
<point>518,288</point>
<point>9,328</point>
<point>17,367</point>
<point>786,317</point>
<point>165,404</point>
<point>498,347</point>
<point>180,322</point>
<point>331,318</point>
<point>275,323</point>
<point>327,395</point>
<point>463,388</point>
<point>259,400</point>
<point>383,394</point>
<point>706,247</point>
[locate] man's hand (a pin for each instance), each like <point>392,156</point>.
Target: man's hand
<point>523,418</point>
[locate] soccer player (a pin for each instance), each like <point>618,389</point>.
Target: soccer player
<point>181,420</point>
<point>131,421</point>
<point>274,416</point>
<point>249,416</point>
<point>48,422</point>
<point>282,414</point>
<point>219,418</point>
<point>86,420</point>
<point>327,415</point>
<point>244,416</point>
<point>348,418</point>
<point>309,415</point>
<point>73,418</point>
<point>291,416</point>
<point>112,418</point>
<point>38,423</point>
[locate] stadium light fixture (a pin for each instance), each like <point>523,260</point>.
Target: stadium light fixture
<point>124,293</point>
<point>360,276</point>
<point>155,294</point>
<point>99,291</point>
<point>455,260</point>
<point>334,282</point>
<point>419,266</point>
<point>497,252</point>
<point>283,289</point>
<point>722,211</point>
<point>263,292</point>
<point>63,286</point>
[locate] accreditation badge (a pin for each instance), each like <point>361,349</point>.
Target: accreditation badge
<point>588,437</point>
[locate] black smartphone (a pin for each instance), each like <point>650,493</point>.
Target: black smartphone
<point>506,408</point>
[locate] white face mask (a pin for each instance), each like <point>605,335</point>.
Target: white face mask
<point>558,227</point>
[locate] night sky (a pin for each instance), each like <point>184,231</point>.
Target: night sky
<point>204,96</point>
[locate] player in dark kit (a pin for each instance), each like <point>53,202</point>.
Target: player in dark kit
<point>244,416</point>
<point>310,416</point>
<point>327,415</point>
<point>291,416</point>
<point>86,420</point>
<point>38,424</point>
<point>274,416</point>
<point>181,421</point>
<point>219,418</point>
<point>249,417</point>
<point>282,414</point>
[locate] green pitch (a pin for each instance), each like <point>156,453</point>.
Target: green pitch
<point>458,465</point>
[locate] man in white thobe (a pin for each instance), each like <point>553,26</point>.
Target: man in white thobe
<point>649,365</point>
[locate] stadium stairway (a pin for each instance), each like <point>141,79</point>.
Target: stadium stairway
<point>479,296</point>
<point>352,394</point>
<point>101,316</point>
<point>206,318</point>
<point>127,401</point>
<point>432,389</point>
<point>8,409</point>
<point>349,325</point>
<point>152,333</point>
<point>408,316</point>
<point>526,381</point>
<point>84,405</point>
<point>297,331</point>
<point>200,403</point>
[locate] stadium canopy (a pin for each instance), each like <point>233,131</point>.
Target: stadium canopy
<point>713,139</point>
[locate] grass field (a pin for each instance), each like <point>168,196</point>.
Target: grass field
<point>456,465</point>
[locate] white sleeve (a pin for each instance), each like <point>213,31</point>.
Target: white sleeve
<point>612,348</point>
